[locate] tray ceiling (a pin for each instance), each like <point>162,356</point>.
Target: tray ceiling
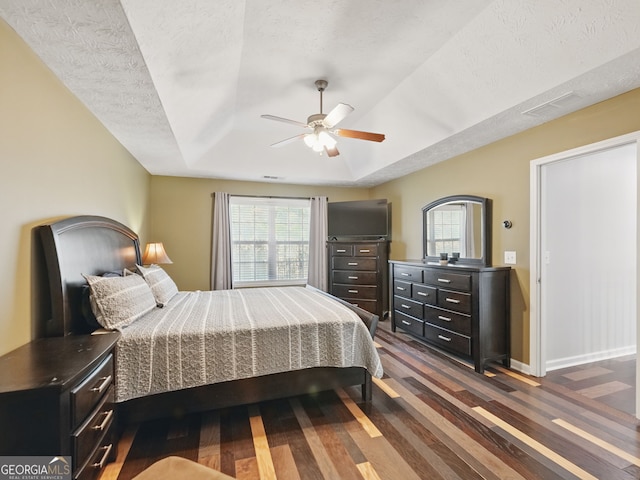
<point>182,84</point>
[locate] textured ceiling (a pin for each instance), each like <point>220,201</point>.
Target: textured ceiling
<point>182,83</point>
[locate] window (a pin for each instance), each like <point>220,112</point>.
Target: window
<point>448,223</point>
<point>270,240</point>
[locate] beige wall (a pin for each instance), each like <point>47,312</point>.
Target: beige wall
<point>500,171</point>
<point>56,160</point>
<point>181,211</point>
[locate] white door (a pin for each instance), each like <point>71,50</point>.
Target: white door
<point>583,254</point>
<point>588,246</point>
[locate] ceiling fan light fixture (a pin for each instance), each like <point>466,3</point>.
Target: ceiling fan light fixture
<point>310,139</point>
<point>326,140</point>
<point>319,140</point>
<point>323,125</point>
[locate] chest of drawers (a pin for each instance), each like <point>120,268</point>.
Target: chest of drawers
<point>57,399</point>
<point>461,309</point>
<point>358,273</point>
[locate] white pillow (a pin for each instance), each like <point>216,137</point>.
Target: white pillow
<point>162,286</point>
<point>119,301</point>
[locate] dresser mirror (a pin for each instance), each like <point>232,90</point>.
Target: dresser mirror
<point>456,230</point>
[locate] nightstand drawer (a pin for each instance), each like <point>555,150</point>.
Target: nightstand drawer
<point>355,291</point>
<point>355,263</point>
<point>355,277</point>
<point>103,454</point>
<point>86,438</point>
<point>448,339</point>
<point>86,396</point>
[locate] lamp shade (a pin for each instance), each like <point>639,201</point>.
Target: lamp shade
<point>155,253</point>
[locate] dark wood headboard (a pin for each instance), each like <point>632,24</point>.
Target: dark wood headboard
<point>64,251</point>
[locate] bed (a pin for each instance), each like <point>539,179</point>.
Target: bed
<point>66,252</point>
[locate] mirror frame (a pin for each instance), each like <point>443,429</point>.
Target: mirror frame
<point>485,259</point>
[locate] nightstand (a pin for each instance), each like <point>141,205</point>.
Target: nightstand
<point>57,398</point>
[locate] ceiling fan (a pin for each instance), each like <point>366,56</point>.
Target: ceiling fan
<point>322,127</point>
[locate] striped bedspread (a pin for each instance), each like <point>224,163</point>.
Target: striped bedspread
<point>208,337</point>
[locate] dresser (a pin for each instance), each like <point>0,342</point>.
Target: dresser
<point>57,399</point>
<point>358,273</point>
<point>461,309</point>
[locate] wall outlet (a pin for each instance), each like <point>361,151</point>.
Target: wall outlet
<point>509,258</point>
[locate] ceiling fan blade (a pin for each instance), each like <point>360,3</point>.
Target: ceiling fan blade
<point>288,140</point>
<point>285,120</point>
<point>332,152</point>
<point>374,137</point>
<point>336,115</point>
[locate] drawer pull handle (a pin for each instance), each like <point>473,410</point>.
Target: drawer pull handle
<point>365,251</point>
<point>423,294</point>
<point>353,264</point>
<point>446,319</point>
<point>452,300</point>
<point>406,323</point>
<point>105,421</point>
<point>105,382</point>
<point>341,250</point>
<point>105,456</point>
<point>442,337</point>
<point>400,288</point>
<point>405,306</point>
<point>352,291</point>
<point>405,274</point>
<point>351,277</point>
<point>444,280</point>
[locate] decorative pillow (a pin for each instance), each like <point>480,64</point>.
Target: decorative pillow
<point>119,301</point>
<point>162,286</point>
<point>87,309</point>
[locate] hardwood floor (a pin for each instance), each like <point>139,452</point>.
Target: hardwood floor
<point>612,382</point>
<point>431,417</point>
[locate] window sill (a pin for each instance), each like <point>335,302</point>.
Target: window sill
<point>270,283</point>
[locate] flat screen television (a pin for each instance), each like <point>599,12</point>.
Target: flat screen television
<point>359,219</point>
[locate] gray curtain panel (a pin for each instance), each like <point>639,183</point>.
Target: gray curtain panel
<point>221,274</point>
<point>317,243</point>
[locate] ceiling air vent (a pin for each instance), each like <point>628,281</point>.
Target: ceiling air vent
<point>555,106</point>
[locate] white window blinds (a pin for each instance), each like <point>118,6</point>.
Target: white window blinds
<point>270,240</point>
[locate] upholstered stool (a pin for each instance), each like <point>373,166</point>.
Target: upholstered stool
<point>178,468</point>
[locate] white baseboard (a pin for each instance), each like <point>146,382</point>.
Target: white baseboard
<point>590,357</point>
<point>520,367</point>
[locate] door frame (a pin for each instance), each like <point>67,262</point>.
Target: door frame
<point>537,328</point>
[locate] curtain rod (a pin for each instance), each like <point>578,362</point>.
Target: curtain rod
<point>267,196</point>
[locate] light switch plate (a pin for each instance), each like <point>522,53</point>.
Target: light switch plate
<point>509,258</point>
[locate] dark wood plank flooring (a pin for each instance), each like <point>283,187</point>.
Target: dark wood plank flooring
<point>431,417</point>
